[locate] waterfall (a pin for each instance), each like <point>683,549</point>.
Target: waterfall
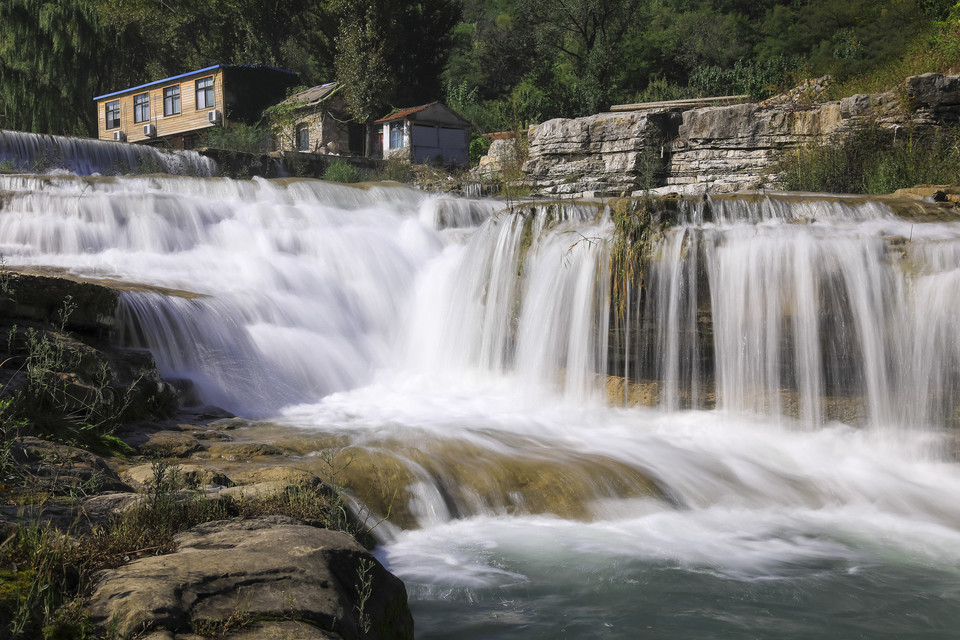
<point>793,473</point>
<point>34,153</point>
<point>814,309</point>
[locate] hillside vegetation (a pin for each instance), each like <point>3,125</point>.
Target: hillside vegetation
<point>501,63</point>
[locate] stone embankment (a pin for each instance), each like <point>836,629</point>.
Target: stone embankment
<point>716,149</point>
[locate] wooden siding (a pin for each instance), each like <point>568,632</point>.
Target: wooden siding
<point>189,120</point>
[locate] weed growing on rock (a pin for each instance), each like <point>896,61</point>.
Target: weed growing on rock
<point>364,591</point>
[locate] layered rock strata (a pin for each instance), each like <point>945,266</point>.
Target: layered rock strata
<point>716,149</point>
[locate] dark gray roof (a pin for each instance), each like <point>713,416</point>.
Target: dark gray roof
<point>313,95</point>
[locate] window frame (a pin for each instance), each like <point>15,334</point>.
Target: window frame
<point>397,133</point>
<point>207,91</point>
<point>303,144</point>
<point>174,99</point>
<point>112,106</point>
<point>141,109</point>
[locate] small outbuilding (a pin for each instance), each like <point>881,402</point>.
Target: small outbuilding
<point>430,133</point>
<point>317,122</point>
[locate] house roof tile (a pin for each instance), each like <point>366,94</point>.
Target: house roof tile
<point>313,95</point>
<point>403,113</point>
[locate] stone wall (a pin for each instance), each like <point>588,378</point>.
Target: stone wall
<point>716,149</point>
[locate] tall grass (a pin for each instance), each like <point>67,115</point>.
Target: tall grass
<point>45,574</point>
<point>875,160</point>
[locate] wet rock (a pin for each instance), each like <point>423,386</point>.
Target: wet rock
<point>228,424</point>
<point>189,475</point>
<point>247,451</point>
<point>166,444</point>
<point>61,468</point>
<point>258,490</point>
<point>288,475</point>
<point>267,570</point>
<point>40,295</point>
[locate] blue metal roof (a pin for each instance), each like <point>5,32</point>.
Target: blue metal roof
<point>189,73</point>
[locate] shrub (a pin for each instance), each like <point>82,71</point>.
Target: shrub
<point>875,160</point>
<point>396,169</point>
<point>340,171</point>
<point>758,79</point>
<point>238,137</point>
<point>479,145</point>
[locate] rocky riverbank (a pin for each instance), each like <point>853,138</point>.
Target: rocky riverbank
<point>714,149</point>
<point>107,529</point>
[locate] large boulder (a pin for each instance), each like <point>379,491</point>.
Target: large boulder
<point>607,152</point>
<point>934,89</point>
<point>262,571</point>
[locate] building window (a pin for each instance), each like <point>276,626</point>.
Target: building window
<point>113,114</point>
<point>205,93</point>
<point>303,137</point>
<point>141,107</point>
<point>171,100</point>
<point>396,135</point>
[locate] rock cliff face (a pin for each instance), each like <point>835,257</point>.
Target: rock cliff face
<point>715,149</point>
<point>604,152</point>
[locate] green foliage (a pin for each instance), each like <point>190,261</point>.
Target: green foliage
<point>238,137</point>
<point>479,146</point>
<point>281,119</point>
<point>42,47</point>
<point>391,52</point>
<point>875,160</point>
<point>660,89</point>
<point>396,169</point>
<point>758,79</point>
<point>340,171</point>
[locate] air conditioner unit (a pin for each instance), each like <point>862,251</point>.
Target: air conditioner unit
<point>119,136</point>
<point>214,116</point>
<point>150,130</point>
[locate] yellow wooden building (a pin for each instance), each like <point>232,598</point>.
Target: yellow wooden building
<point>175,111</point>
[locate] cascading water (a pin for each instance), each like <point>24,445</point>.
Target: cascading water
<point>795,480</point>
<point>22,151</point>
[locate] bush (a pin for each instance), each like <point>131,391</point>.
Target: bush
<point>239,137</point>
<point>396,169</point>
<point>479,145</point>
<point>875,160</point>
<point>758,79</point>
<point>340,171</point>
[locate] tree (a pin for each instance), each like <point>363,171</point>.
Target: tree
<point>43,45</point>
<point>392,51</point>
<point>361,58</point>
<point>588,37</point>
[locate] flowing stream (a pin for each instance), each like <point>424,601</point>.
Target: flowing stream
<point>794,476</point>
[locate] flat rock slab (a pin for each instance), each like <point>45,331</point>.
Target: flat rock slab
<point>166,444</point>
<point>290,475</point>
<point>191,475</point>
<point>62,467</point>
<point>265,570</point>
<point>280,630</point>
<point>242,452</point>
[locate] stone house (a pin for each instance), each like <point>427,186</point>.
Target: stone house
<point>428,133</point>
<point>317,122</point>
